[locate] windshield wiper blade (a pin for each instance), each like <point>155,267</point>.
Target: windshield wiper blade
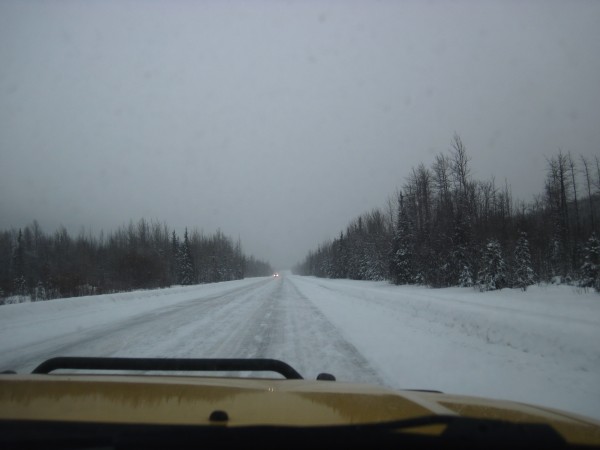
<point>168,364</point>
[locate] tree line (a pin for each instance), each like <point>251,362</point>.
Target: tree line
<point>444,228</point>
<point>142,255</point>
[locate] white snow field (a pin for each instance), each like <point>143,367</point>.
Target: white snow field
<point>541,346</point>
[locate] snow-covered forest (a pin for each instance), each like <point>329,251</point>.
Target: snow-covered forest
<point>444,228</point>
<point>142,255</point>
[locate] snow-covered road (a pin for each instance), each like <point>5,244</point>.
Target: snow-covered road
<point>256,318</point>
<point>539,347</point>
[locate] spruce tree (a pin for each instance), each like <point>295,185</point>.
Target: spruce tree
<point>590,270</point>
<point>465,277</point>
<point>492,274</point>
<point>187,273</point>
<point>18,267</point>
<point>402,249</point>
<point>174,260</point>
<point>523,274</point>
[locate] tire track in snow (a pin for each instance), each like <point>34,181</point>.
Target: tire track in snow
<point>267,319</point>
<point>278,322</point>
<point>323,347</point>
<point>144,335</point>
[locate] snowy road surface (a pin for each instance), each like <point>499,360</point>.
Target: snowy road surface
<point>538,347</point>
<point>256,318</point>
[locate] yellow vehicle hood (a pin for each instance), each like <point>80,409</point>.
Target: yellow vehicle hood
<point>239,402</point>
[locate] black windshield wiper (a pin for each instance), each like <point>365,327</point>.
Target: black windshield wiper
<point>168,364</point>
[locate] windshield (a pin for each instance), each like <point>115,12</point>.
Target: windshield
<point>398,193</point>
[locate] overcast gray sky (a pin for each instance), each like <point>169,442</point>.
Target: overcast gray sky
<point>279,121</point>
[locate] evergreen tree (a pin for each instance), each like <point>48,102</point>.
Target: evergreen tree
<point>460,254</point>
<point>465,277</point>
<point>340,257</point>
<point>492,273</point>
<point>402,248</point>
<point>523,274</point>
<point>187,273</point>
<point>238,267</point>
<point>18,267</point>
<point>174,263</point>
<point>590,270</point>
